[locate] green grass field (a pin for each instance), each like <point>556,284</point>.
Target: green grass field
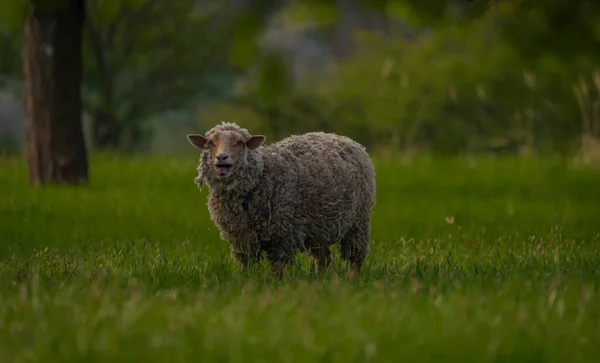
<point>472,261</point>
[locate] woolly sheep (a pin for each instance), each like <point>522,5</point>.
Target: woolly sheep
<point>305,192</point>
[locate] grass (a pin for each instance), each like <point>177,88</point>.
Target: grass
<point>478,260</point>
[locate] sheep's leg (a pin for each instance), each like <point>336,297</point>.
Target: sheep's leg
<point>322,256</point>
<point>355,245</point>
<point>243,259</point>
<point>279,261</point>
<point>277,269</point>
<point>279,264</point>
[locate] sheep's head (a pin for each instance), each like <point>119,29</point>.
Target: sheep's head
<point>226,148</point>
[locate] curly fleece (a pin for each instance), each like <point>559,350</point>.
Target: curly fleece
<point>305,192</point>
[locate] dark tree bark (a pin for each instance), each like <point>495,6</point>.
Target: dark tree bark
<point>52,63</point>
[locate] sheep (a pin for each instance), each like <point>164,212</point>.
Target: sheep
<point>305,192</point>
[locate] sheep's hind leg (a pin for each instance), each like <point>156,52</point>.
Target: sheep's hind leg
<point>355,246</point>
<point>322,256</point>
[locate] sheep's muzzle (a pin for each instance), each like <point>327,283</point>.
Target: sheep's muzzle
<point>223,169</point>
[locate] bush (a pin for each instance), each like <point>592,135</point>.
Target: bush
<point>456,89</point>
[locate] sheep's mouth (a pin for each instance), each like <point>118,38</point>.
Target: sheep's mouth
<point>223,169</point>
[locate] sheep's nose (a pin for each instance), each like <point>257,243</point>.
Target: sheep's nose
<point>222,156</point>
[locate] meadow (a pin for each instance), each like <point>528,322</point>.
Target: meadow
<point>473,260</point>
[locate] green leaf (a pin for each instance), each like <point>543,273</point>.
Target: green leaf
<point>273,78</point>
<point>403,11</point>
<point>12,14</point>
<point>244,50</point>
<point>323,14</point>
<point>104,10</point>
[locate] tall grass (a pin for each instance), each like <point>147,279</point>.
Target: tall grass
<point>472,260</point>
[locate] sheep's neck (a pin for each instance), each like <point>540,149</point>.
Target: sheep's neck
<point>236,195</point>
<point>239,190</point>
<point>246,180</point>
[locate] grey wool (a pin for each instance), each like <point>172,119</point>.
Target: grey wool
<point>305,192</point>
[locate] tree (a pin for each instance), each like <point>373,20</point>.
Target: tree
<point>565,30</point>
<point>52,68</point>
<point>144,57</point>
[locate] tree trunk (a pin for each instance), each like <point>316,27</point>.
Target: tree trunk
<point>52,64</point>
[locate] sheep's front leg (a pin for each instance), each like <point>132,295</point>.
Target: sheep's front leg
<point>244,259</point>
<point>277,268</point>
<point>279,259</point>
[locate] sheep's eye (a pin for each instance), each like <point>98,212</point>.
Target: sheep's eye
<point>239,143</point>
<point>210,144</point>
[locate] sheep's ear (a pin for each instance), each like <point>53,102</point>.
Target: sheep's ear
<point>255,141</point>
<point>197,140</point>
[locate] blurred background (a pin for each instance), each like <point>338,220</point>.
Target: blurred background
<point>399,76</point>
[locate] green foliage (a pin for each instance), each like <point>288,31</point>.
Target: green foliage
<point>445,90</point>
<point>460,88</point>
<point>273,78</point>
<point>536,29</point>
<point>188,55</point>
<point>135,71</point>
<point>302,12</point>
<point>10,56</point>
<point>248,23</point>
<point>270,100</point>
<point>419,12</point>
<point>565,29</point>
<point>472,260</point>
<point>453,89</point>
<point>474,73</point>
<point>12,15</point>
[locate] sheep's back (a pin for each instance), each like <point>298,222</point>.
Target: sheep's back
<point>329,179</point>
